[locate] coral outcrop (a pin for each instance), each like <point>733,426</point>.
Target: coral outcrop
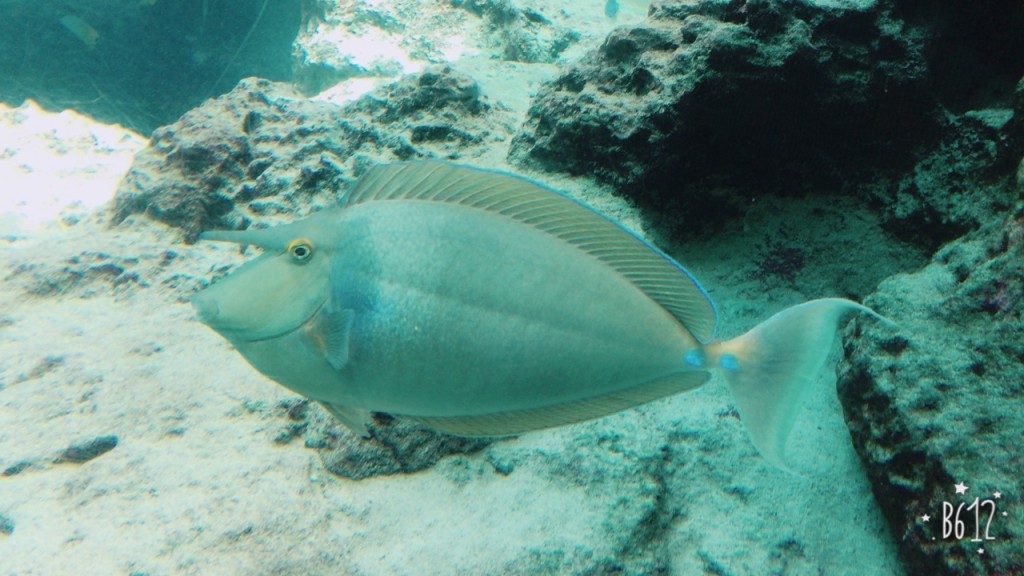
<point>390,446</point>
<point>262,151</point>
<point>966,181</point>
<point>364,39</point>
<point>706,106</point>
<point>723,95</point>
<point>940,401</point>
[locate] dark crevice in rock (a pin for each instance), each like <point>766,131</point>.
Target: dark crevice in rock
<point>975,51</point>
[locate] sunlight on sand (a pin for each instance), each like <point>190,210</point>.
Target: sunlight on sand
<point>55,165</point>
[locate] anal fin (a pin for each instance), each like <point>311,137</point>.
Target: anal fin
<point>519,421</point>
<point>355,419</point>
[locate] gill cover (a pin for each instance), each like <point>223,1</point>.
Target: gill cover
<point>270,295</point>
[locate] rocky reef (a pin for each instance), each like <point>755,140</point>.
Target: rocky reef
<point>262,151</point>
<point>706,101</point>
<point>965,181</point>
<point>939,402</point>
<point>709,105</point>
<point>389,446</point>
<point>382,40</point>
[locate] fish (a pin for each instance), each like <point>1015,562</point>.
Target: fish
<point>611,8</point>
<point>81,29</point>
<point>481,303</point>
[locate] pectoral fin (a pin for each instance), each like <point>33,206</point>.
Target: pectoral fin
<point>330,332</point>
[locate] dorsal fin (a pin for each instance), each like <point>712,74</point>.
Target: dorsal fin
<point>533,204</point>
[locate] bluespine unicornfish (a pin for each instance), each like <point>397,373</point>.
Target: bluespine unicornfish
<point>481,303</point>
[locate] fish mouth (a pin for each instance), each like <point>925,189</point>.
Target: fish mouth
<point>209,313</point>
<point>306,321</point>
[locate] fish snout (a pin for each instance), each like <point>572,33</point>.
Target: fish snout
<point>206,307</point>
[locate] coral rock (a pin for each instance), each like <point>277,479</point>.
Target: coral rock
<point>941,401</point>
<point>760,94</point>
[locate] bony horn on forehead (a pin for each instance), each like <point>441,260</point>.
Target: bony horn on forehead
<point>267,239</point>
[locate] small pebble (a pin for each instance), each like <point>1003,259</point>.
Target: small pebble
<point>6,525</point>
<point>85,451</point>
<point>17,468</point>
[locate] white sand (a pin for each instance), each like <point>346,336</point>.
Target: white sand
<point>54,163</point>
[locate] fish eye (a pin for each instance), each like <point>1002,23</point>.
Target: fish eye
<point>300,249</point>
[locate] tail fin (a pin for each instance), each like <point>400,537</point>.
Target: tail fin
<point>770,367</point>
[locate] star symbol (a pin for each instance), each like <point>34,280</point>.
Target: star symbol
<point>925,518</point>
<point>997,495</point>
<point>1004,513</point>
<point>961,488</point>
<point>981,550</point>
